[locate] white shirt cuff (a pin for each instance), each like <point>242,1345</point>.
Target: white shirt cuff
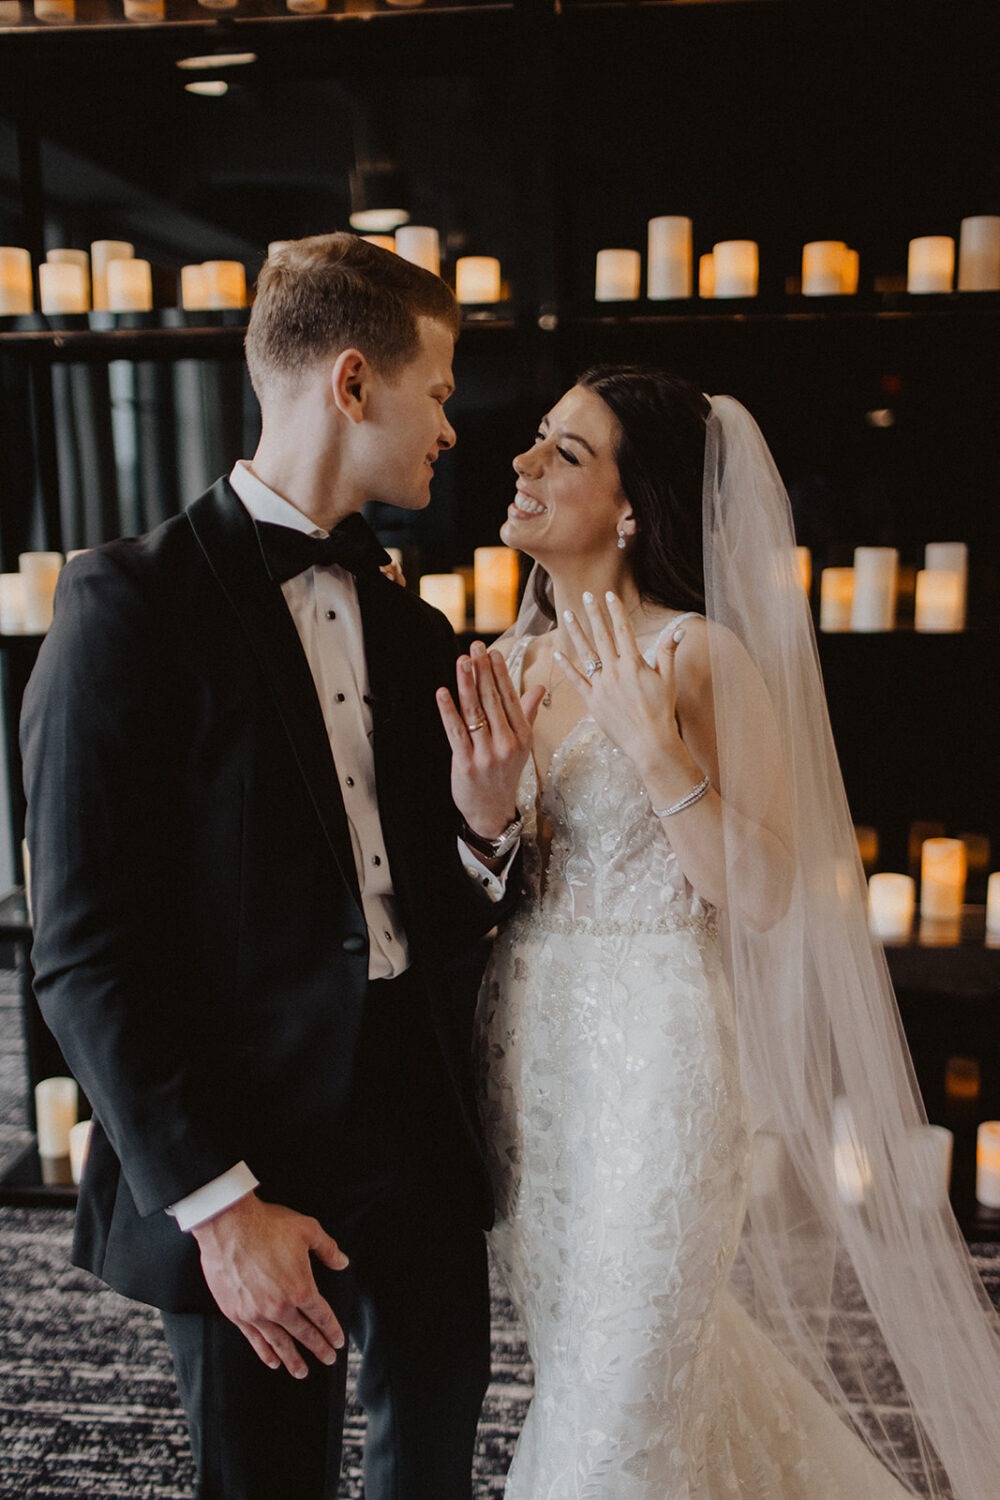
<point>493,884</point>
<point>222,1192</point>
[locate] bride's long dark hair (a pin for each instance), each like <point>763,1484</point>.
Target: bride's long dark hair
<point>660,453</point>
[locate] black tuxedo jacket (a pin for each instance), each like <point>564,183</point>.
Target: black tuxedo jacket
<point>200,949</point>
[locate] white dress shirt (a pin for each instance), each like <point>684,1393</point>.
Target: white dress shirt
<point>323,603</point>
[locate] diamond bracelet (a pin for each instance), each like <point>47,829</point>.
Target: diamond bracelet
<point>694,795</point>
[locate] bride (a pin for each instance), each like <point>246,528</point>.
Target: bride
<point>713,1213</point>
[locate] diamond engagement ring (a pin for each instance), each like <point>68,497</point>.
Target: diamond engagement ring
<point>592,666</point>
<point>479,724</point>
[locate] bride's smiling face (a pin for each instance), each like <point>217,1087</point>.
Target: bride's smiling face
<point>568,499</point>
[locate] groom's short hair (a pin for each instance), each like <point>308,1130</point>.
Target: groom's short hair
<point>318,296</point>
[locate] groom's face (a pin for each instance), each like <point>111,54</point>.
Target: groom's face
<point>408,428</point>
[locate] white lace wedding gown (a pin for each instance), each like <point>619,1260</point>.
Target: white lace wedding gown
<point>619,1150</point>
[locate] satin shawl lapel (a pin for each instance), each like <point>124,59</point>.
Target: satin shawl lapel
<point>226,535</point>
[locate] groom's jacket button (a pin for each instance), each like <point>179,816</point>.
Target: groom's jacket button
<point>354,943</point>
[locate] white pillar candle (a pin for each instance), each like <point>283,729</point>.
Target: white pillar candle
<point>383,241</point>
<point>130,286</point>
<point>950,557</point>
<point>55,10</point>
<point>11,604</point>
<point>993,904</point>
<point>736,268</point>
<point>446,591</point>
<point>225,283</point>
<point>56,1109</point>
<point>79,1145</point>
<point>850,268</point>
<point>988,1164</point>
<point>875,576</point>
<point>706,275</point>
<point>144,10</point>
<point>851,1163</point>
<point>942,879</point>
<point>938,603</point>
<point>68,256</point>
<point>194,288</point>
<point>62,288</point>
<point>39,576</point>
<point>979,254</point>
<point>16,293</point>
<point>495,581</point>
<point>420,244</point>
<point>668,257</point>
<point>803,558</point>
<point>617,276</point>
<point>891,903</point>
<point>931,1148</point>
<point>836,594</point>
<point>102,253</point>
<point>823,268</point>
<point>477,278</point>
<point>930,266</point>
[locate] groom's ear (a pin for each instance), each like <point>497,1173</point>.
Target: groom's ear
<point>348,380</point>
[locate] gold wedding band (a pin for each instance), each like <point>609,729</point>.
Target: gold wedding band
<point>479,724</point>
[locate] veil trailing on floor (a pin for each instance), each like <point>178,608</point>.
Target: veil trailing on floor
<point>850,1260</point>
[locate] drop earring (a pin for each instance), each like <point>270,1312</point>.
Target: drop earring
<point>621,540</point>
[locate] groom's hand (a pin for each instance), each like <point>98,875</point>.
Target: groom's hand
<point>490,735</point>
<point>255,1257</point>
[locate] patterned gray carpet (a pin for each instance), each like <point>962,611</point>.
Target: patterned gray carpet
<point>87,1401</point>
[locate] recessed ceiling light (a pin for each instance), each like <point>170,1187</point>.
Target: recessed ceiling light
<point>212,88</point>
<point>218,60</point>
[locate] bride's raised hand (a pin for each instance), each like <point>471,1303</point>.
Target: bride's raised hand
<point>635,704</point>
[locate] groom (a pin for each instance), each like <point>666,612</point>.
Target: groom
<point>259,908</point>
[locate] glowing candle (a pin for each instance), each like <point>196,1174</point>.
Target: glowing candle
<point>446,591</point>
<point>891,902</point>
<point>988,1164</point>
<point>993,904</point>
<point>16,293</point>
<point>55,10</point>
<point>144,10</point>
<point>11,603</point>
<point>942,879</point>
<point>477,278</point>
<point>39,576</point>
<point>706,275</point>
<point>938,601</point>
<point>736,268</point>
<point>931,1148</point>
<point>617,276</point>
<point>420,244</point>
<point>79,1145</point>
<point>875,576</point>
<point>803,558</point>
<point>383,241</point>
<point>495,580</point>
<point>950,557</point>
<point>72,257</point>
<point>102,253</point>
<point>867,842</point>
<point>56,1110</point>
<point>850,268</point>
<point>668,258</point>
<point>225,283</point>
<point>306,7</point>
<point>62,288</point>
<point>836,594</point>
<point>130,286</point>
<point>194,288</point>
<point>962,1080</point>
<point>979,254</point>
<point>931,264</point>
<point>823,268</point>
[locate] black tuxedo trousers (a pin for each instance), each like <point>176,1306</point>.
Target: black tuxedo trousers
<point>200,948</point>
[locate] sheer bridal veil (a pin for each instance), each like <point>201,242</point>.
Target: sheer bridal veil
<point>849,1260</point>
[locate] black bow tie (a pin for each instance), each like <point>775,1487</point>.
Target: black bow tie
<point>288,552</point>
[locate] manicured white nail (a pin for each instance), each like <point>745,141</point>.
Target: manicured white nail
<point>568,616</point>
<point>679,635</point>
<point>609,596</point>
<point>588,597</point>
<point>558,656</point>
